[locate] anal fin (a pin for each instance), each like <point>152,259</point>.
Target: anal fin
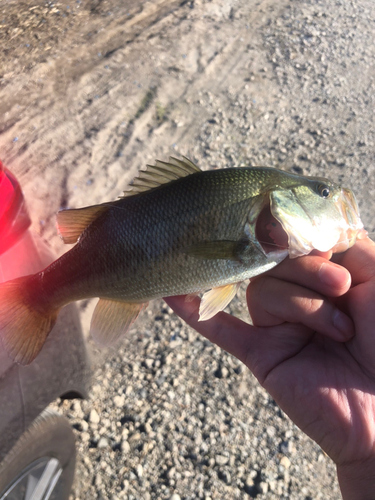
<point>216,300</point>
<point>113,318</point>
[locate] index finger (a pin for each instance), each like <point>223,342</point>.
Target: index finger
<point>259,348</point>
<point>228,332</point>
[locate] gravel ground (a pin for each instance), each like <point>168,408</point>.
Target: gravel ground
<point>172,416</point>
<point>227,83</point>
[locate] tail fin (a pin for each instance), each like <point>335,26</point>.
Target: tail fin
<point>23,329</point>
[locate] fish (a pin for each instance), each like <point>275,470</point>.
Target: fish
<point>178,230</point>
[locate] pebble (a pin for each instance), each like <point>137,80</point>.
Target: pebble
<point>85,437</point>
<point>119,401</point>
<point>263,487</point>
<point>94,417</point>
<point>103,443</point>
<point>139,470</point>
<point>221,460</point>
<point>125,446</point>
<point>222,372</point>
<point>285,462</point>
<point>149,363</point>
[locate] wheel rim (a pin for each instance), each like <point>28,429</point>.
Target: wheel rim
<point>36,482</point>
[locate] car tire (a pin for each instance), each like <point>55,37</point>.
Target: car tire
<point>41,464</point>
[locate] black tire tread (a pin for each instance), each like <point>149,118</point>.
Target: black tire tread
<point>51,435</point>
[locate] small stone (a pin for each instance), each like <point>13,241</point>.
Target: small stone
<point>285,462</point>
<point>125,446</point>
<point>271,431</point>
<point>175,496</point>
<point>148,428</point>
<point>84,425</point>
<point>171,473</point>
<point>221,460</point>
<point>132,476</point>
<point>76,407</point>
<point>222,372</point>
<point>263,487</point>
<point>85,437</point>
<point>102,443</point>
<point>119,401</point>
<point>272,485</point>
<point>249,482</point>
<point>149,363</point>
<point>286,477</point>
<point>135,437</point>
<point>168,359</point>
<point>94,417</point>
<point>105,423</point>
<point>139,470</point>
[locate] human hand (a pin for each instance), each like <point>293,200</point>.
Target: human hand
<point>318,363</point>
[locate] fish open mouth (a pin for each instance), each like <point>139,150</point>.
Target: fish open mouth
<point>269,232</point>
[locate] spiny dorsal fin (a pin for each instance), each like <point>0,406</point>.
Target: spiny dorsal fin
<point>72,222</point>
<point>161,173</point>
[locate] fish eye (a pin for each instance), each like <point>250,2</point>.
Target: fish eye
<point>323,191</point>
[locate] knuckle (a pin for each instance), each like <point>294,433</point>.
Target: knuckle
<point>311,305</point>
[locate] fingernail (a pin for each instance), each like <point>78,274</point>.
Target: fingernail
<point>333,276</point>
<point>343,324</point>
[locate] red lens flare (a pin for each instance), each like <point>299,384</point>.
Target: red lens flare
<point>6,194</point>
<point>14,219</point>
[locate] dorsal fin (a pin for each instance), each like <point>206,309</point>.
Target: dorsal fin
<point>161,173</point>
<point>72,222</point>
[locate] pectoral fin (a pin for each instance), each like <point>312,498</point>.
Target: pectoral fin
<point>222,249</point>
<point>111,319</point>
<point>216,300</point>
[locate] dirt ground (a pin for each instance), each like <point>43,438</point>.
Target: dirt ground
<point>93,90</point>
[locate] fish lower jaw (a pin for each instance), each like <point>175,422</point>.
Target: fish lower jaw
<point>349,239</point>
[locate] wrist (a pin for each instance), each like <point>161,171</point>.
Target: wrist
<point>357,480</point>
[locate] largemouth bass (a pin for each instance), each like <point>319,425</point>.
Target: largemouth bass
<point>178,231</point>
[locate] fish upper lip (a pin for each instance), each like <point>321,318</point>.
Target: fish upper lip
<point>348,207</point>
